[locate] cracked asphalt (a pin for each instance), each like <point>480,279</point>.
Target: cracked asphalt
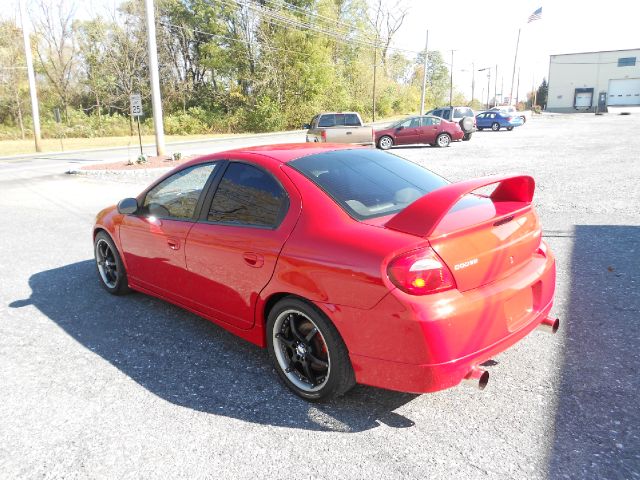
<point>94,386</point>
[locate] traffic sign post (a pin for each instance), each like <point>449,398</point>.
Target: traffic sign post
<point>135,99</point>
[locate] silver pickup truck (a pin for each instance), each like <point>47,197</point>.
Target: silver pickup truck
<point>339,127</point>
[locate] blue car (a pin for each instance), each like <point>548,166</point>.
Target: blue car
<point>496,120</point>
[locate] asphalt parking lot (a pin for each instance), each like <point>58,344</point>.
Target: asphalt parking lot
<point>94,386</point>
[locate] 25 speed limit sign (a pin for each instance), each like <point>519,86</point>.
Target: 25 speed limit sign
<point>136,104</point>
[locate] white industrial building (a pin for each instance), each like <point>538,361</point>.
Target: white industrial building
<point>584,82</point>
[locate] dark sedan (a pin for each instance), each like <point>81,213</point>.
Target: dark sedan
<point>420,129</point>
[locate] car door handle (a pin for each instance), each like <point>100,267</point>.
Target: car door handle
<point>253,259</point>
<point>349,133</point>
<point>174,243</point>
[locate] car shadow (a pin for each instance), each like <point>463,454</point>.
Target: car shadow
<point>598,411</point>
<point>191,362</point>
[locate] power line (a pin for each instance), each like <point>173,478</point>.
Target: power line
<point>338,36</point>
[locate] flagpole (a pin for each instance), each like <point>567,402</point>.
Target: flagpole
<point>513,75</point>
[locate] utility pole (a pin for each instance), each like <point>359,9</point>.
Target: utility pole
<point>515,60</point>
<point>495,88</point>
<point>518,88</point>
<point>424,75</point>
<point>35,112</point>
<point>451,86</point>
<point>501,89</point>
<point>375,72</point>
<point>156,101</point>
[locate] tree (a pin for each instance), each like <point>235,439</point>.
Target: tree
<point>12,74</point>
<point>542,93</point>
<point>57,48</point>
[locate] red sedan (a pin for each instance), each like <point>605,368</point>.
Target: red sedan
<point>426,129</point>
<point>349,264</point>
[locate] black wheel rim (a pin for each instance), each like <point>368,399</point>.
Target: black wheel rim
<point>107,266</point>
<point>301,350</point>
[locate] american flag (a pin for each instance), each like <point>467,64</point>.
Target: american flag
<point>535,15</point>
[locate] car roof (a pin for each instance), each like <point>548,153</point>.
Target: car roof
<point>278,153</point>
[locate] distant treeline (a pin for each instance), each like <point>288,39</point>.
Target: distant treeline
<point>225,66</point>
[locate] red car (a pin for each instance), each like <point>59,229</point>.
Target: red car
<point>349,264</point>
<point>426,129</point>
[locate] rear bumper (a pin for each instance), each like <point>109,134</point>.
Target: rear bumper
<point>425,344</point>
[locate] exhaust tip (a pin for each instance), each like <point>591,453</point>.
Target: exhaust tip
<point>477,378</point>
<point>550,325</point>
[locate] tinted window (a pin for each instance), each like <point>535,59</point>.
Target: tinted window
<point>177,196</point>
<point>368,183</point>
<point>437,113</point>
<point>463,112</point>
<point>406,123</point>
<point>248,195</point>
<point>430,121</point>
<point>446,114</point>
<point>352,120</point>
<point>482,115</point>
<point>327,121</point>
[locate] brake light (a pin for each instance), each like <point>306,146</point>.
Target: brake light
<point>542,249</point>
<point>420,272</point>
<point>508,119</point>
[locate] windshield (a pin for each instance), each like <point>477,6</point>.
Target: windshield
<point>368,183</point>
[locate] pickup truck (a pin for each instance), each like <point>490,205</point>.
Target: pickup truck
<point>339,127</point>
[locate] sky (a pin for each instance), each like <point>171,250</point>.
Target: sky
<point>485,34</point>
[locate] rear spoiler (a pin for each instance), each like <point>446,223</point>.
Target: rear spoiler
<point>423,216</point>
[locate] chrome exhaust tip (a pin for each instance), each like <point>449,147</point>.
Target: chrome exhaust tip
<point>477,377</point>
<point>550,325</point>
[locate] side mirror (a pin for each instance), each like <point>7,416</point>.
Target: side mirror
<point>128,206</point>
<point>399,128</point>
<point>306,126</point>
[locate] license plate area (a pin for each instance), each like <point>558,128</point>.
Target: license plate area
<point>518,308</point>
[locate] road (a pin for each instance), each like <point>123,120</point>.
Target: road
<point>132,387</point>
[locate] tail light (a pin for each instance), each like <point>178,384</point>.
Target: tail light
<point>508,119</point>
<point>542,249</point>
<point>420,272</point>
<point>323,134</point>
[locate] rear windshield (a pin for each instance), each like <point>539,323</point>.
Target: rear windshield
<point>368,183</point>
<point>339,119</point>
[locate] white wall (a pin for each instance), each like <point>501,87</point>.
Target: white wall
<point>585,70</point>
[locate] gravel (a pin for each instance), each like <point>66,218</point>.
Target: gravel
<point>132,387</point>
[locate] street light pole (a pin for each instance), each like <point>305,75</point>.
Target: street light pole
<point>424,75</point>
<point>156,100</point>
<point>35,111</point>
<point>473,80</point>
<point>488,70</point>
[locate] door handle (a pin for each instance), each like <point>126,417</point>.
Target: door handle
<point>253,259</point>
<point>174,243</point>
<point>349,133</point>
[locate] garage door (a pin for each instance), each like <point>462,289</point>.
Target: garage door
<point>624,92</point>
<point>583,99</point>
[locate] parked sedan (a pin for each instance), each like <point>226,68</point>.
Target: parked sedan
<point>422,129</point>
<point>497,120</point>
<point>350,265</point>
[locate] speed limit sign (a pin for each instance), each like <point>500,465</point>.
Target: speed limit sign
<point>136,104</point>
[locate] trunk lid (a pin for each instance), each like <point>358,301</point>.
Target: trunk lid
<point>480,238</point>
<point>486,241</point>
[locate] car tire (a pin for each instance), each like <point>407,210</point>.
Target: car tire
<point>307,351</point>
<point>524,120</point>
<point>495,126</point>
<point>466,137</point>
<point>509,129</point>
<point>111,271</point>
<point>385,142</point>
<point>480,129</point>
<point>443,140</point>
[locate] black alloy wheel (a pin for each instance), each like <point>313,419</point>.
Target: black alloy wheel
<point>109,265</point>
<point>307,351</point>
